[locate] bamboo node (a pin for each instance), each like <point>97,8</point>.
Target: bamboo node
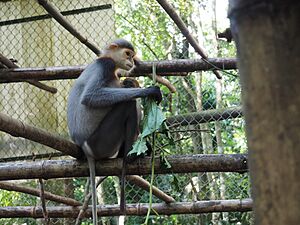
<point>33,212</point>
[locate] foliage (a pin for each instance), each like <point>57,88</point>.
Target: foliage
<point>152,121</point>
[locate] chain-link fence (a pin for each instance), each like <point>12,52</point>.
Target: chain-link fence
<point>31,38</point>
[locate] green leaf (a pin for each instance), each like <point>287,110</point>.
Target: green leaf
<point>139,147</point>
<point>153,119</point>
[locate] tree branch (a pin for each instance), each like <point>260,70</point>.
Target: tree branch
<point>164,82</point>
<point>185,31</point>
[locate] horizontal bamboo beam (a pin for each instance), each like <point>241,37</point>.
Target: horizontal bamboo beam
<point>9,186</point>
<point>9,64</point>
<point>162,67</point>
<point>204,116</point>
<point>17,128</point>
<point>234,205</point>
<point>185,65</point>
<point>113,167</point>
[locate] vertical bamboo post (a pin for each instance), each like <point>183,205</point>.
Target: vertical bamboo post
<point>267,38</point>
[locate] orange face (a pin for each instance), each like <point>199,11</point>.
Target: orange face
<point>123,57</point>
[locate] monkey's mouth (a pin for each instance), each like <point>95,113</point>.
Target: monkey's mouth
<point>128,66</point>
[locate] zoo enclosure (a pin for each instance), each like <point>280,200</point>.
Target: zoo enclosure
<point>33,39</point>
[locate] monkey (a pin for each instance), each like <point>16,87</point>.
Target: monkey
<point>130,83</point>
<point>102,116</point>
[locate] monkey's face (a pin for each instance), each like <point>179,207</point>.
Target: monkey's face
<point>123,57</point>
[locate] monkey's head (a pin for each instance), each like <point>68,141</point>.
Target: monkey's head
<point>130,83</point>
<point>122,52</point>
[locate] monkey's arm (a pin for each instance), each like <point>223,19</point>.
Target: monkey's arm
<point>103,97</point>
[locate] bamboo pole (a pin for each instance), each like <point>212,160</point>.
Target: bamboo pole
<point>5,61</point>
<point>145,185</point>
<point>163,67</point>
<point>185,31</point>
<point>185,65</point>
<point>54,12</point>
<point>35,192</point>
<point>233,205</point>
<point>47,169</point>
<point>17,128</point>
<point>204,116</point>
<point>43,201</point>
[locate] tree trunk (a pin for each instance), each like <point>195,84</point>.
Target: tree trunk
<point>267,37</point>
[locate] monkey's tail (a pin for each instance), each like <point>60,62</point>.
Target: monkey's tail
<point>92,167</point>
<point>122,194</point>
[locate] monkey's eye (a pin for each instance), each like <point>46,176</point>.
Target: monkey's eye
<point>128,53</point>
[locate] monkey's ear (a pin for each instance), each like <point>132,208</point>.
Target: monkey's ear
<point>113,46</point>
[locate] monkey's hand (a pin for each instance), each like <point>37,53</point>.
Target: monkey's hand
<point>155,93</point>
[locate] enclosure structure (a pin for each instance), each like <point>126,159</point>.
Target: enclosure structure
<point>207,181</point>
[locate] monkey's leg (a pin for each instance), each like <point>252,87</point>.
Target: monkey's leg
<point>109,136</point>
<point>132,131</point>
<point>119,127</point>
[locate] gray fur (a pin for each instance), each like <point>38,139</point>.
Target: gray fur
<point>122,43</point>
<point>91,99</point>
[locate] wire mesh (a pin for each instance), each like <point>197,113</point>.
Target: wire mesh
<point>33,39</point>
